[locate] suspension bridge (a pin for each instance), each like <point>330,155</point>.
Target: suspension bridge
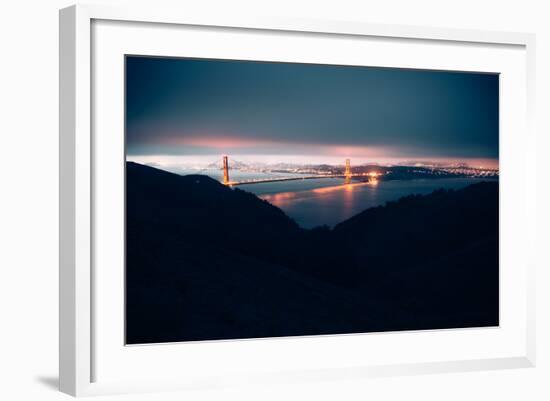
<point>347,175</point>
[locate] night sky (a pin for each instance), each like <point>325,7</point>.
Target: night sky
<point>196,110</point>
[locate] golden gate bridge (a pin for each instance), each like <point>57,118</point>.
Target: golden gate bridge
<point>347,175</point>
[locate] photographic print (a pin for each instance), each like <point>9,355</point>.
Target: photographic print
<point>270,199</point>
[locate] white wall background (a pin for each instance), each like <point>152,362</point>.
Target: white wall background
<point>29,185</point>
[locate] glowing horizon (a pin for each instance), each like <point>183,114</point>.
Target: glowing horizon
<point>202,161</point>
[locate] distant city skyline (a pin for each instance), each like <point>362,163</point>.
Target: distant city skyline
<point>203,161</point>
<point>192,111</point>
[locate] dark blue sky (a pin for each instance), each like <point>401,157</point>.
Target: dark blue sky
<point>192,107</point>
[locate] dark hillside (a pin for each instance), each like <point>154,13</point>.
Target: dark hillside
<point>205,261</point>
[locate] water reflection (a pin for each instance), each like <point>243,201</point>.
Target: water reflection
<point>335,201</point>
<point>278,199</point>
<point>318,206</point>
<point>346,187</point>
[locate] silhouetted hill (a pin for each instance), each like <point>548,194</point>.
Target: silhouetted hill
<point>197,207</point>
<point>202,264</point>
<point>438,252</point>
<point>205,261</point>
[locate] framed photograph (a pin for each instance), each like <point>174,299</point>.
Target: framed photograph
<point>273,200</point>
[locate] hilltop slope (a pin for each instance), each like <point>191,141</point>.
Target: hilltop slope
<point>202,264</point>
<point>206,262</point>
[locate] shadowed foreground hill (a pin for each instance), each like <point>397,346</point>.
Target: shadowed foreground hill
<point>438,253</point>
<point>205,261</point>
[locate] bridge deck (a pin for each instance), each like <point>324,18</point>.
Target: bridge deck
<point>305,177</point>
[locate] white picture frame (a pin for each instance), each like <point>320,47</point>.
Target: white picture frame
<point>78,152</point>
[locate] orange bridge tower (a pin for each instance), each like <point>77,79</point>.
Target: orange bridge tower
<point>225,171</point>
<point>347,173</point>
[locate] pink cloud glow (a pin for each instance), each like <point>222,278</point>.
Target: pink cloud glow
<point>214,142</point>
<point>272,151</point>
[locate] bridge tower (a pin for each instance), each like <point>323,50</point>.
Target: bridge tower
<point>348,169</point>
<point>225,170</point>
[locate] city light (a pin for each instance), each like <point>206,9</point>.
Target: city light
<point>349,173</point>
